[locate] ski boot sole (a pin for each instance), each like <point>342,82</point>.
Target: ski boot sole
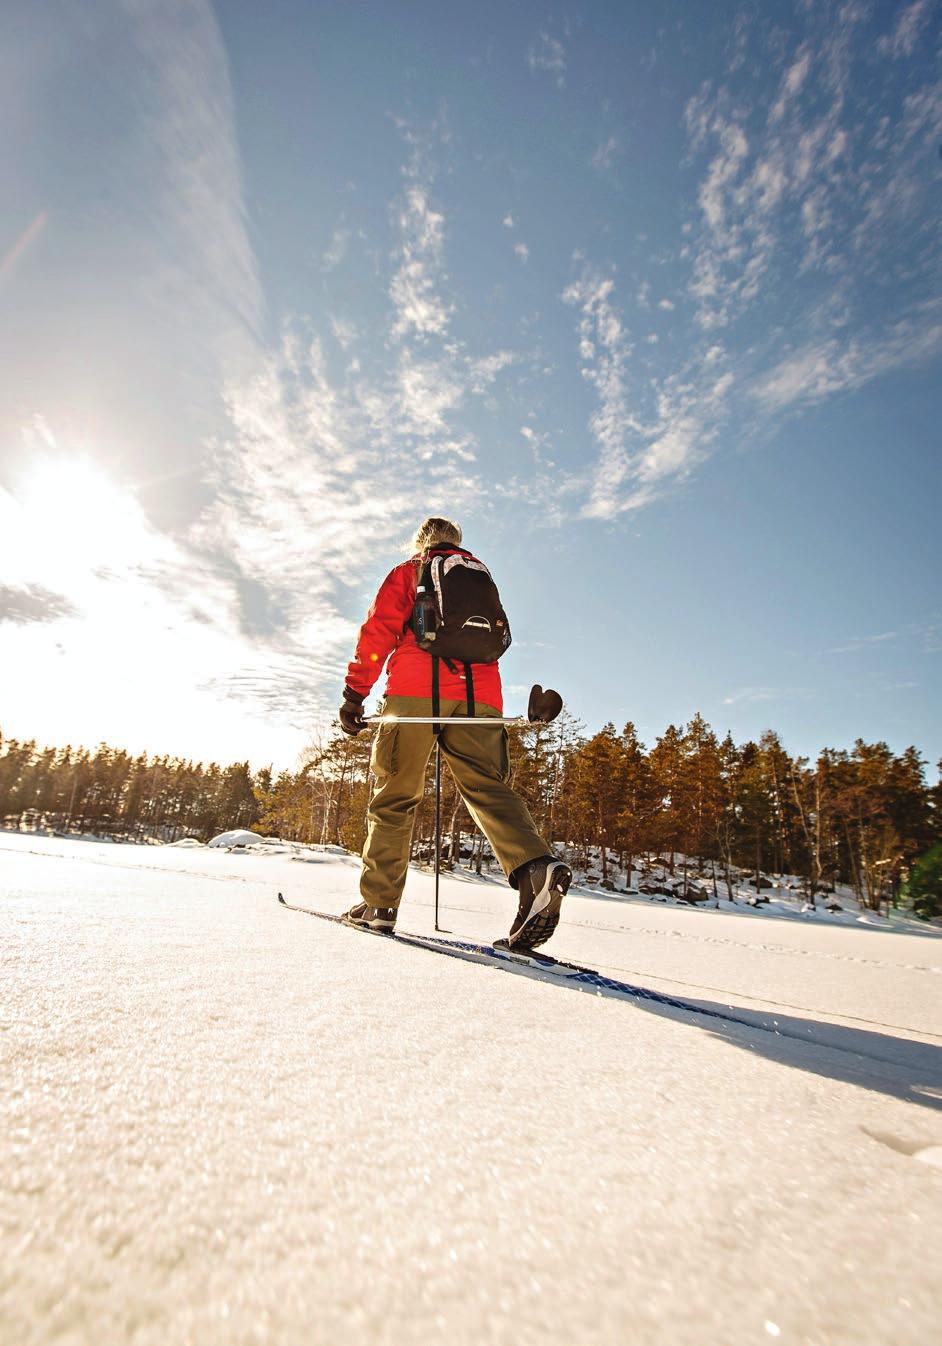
<point>537,929</point>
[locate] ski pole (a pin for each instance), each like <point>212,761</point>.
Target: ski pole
<point>438,820</point>
<point>442,719</point>
<point>445,719</point>
<point>543,707</point>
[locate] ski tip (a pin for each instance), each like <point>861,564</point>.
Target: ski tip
<point>281,899</point>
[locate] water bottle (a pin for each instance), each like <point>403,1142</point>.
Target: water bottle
<point>425,615</point>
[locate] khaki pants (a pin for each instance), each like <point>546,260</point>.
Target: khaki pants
<point>480,765</point>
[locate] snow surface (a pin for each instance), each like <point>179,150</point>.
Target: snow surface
<point>224,1122</point>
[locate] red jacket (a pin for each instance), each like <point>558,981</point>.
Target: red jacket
<point>385,633</point>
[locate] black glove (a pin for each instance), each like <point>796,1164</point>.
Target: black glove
<point>351,712</point>
<point>543,706</point>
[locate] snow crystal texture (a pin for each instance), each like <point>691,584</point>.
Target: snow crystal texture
<point>223,1122</point>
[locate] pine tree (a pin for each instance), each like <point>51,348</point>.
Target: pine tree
<point>639,803</point>
<point>935,807</point>
<point>730,766</point>
<point>909,810</point>
<point>753,809</point>
<point>665,760</point>
<point>596,782</point>
<point>699,791</point>
<point>924,885</point>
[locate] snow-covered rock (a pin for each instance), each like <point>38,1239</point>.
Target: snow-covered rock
<point>238,837</point>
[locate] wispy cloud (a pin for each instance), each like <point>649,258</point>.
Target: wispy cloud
<point>483,371</point>
<point>780,193</point>
<point>604,155</point>
<point>863,642</point>
<point>32,603</point>
<point>826,187</point>
<point>924,636</point>
<point>336,249</point>
<point>522,251</point>
<point>648,434</point>
<point>604,350</point>
<point>321,468</point>
<point>809,258</point>
<point>190,159</point>
<point>345,332</point>
<point>751,696</point>
<point>547,53</point>
<point>902,41</point>
<point>823,368</point>
<point>791,83</point>
<point>324,463</point>
<point>428,392</point>
<point>419,308</point>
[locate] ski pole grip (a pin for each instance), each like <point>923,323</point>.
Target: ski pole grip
<point>543,706</point>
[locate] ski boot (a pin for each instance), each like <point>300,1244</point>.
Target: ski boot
<point>371,918</point>
<point>543,884</point>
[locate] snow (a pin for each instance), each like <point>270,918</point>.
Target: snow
<point>238,837</point>
<point>782,895</point>
<point>224,1122</point>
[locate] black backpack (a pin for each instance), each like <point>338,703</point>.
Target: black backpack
<point>458,614</point>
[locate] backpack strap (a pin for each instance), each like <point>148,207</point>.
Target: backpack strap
<point>469,684</point>
<point>436,697</point>
<point>423,578</point>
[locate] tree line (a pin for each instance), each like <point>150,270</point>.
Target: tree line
<point>861,816</point>
<point>110,793</point>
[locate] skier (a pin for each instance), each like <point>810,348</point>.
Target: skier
<point>419,683</point>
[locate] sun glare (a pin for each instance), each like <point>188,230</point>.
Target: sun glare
<point>69,516</point>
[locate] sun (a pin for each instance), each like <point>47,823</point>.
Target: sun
<point>69,517</point>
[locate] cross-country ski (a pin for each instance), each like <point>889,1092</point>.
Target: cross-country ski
<point>502,955</point>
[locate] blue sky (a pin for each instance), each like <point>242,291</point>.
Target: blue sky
<point>646,296</point>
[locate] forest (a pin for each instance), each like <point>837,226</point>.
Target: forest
<point>862,816</point>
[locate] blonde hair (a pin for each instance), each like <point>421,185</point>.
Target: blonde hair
<point>435,530</point>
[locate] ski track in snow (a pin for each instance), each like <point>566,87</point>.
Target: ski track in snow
<point>224,1122</point>
<point>766,948</point>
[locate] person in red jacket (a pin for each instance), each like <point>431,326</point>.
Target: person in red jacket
<point>477,756</point>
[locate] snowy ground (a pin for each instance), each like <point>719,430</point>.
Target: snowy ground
<point>222,1122</point>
